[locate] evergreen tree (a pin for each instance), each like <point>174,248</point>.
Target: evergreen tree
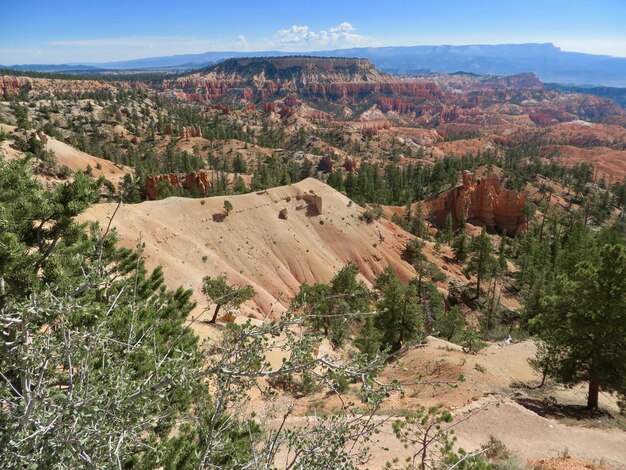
<point>399,311</point>
<point>583,324</point>
<point>481,260</point>
<point>329,306</point>
<point>450,323</point>
<point>369,339</point>
<point>221,293</point>
<point>460,247</point>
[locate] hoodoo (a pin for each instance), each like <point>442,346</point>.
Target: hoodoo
<point>483,200</point>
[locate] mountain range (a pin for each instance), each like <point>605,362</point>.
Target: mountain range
<point>548,62</point>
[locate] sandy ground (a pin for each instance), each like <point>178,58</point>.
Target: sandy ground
<point>69,156</point>
<point>484,404</point>
<point>191,238</point>
<point>609,163</point>
<point>75,160</point>
<point>528,436</point>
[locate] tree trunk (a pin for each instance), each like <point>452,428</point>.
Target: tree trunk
<point>477,296</point>
<point>217,309</point>
<point>594,388</point>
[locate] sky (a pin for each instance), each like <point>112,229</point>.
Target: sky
<point>87,31</point>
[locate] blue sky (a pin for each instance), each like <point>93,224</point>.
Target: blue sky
<point>59,31</point>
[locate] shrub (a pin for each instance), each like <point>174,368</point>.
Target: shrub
<point>372,214</point>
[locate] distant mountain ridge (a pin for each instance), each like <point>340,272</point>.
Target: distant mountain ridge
<point>301,68</point>
<point>547,61</point>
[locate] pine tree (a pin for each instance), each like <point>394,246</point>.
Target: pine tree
<point>369,339</point>
<point>481,260</point>
<point>221,293</point>
<point>460,247</point>
<point>583,324</point>
<point>329,306</point>
<point>450,323</point>
<point>399,310</point>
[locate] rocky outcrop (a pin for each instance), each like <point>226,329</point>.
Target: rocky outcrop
<point>283,214</point>
<point>185,132</point>
<point>521,81</point>
<point>151,187</point>
<point>222,108</point>
<point>482,200</point>
<point>372,127</point>
<point>541,119</point>
<point>326,164</point>
<point>191,131</point>
<point>313,200</point>
<point>201,89</point>
<point>342,91</point>
<point>11,87</point>
<point>198,181</point>
<point>350,164</point>
<point>41,136</point>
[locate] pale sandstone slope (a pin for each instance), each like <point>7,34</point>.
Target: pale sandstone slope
<point>76,160</point>
<point>65,155</point>
<point>253,245</point>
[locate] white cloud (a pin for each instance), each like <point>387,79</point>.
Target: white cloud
<point>93,50</point>
<point>241,42</point>
<point>302,37</point>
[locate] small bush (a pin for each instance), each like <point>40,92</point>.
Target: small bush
<point>372,214</point>
<point>436,274</point>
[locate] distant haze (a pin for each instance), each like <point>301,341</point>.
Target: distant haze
<point>547,61</point>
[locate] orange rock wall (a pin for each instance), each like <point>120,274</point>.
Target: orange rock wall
<point>194,180</point>
<point>483,200</point>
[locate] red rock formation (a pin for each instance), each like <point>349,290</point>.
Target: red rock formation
<point>13,86</point>
<point>398,105</point>
<point>291,100</point>
<point>269,88</point>
<point>316,114</point>
<point>247,94</point>
<point>192,131</point>
<point>372,127</point>
<point>190,181</point>
<point>152,182</point>
<point>269,107</point>
<point>167,130</point>
<point>350,165</point>
<point>342,90</point>
<point>196,180</point>
<point>204,90</point>
<point>326,164</point>
<point>220,107</point>
<point>541,119</point>
<point>483,200</point>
